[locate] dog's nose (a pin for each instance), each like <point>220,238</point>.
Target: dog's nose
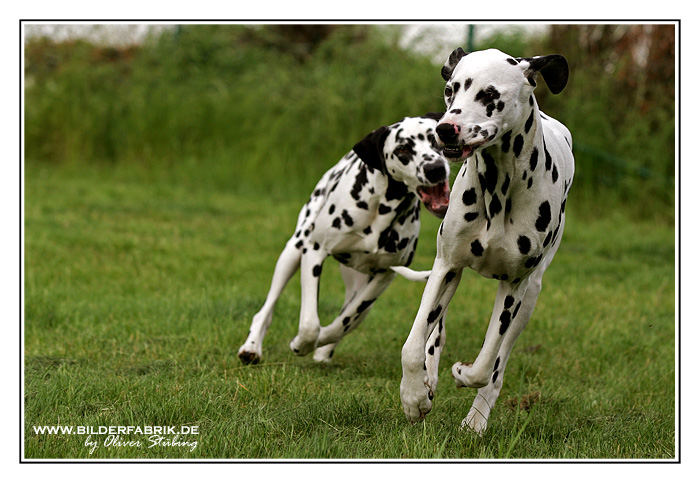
<point>435,172</point>
<point>447,132</point>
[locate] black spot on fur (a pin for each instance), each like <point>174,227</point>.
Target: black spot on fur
<point>511,62</point>
<point>508,301</point>
<point>533,261</point>
<point>431,350</point>
<point>434,314</point>
<point>477,249</point>
<point>517,307</point>
<point>545,216</point>
<point>547,239</point>
<point>533,159</point>
<point>524,244</point>
<point>467,83</point>
<point>336,222</point>
<point>508,206</point>
<point>505,145</point>
<point>495,206</point>
<point>528,123</point>
<point>555,174</point>
<point>362,205</point>
<point>364,305</point>
<point>395,190</point>
<point>505,322</point>
<point>487,96</point>
<point>469,197</point>
<point>347,218</point>
<point>506,183</point>
<point>316,246</point>
<point>495,366</point>
<point>491,173</point>
<point>299,244</point>
<point>518,145</point>
<point>500,105</point>
<point>360,181</point>
<point>317,270</point>
<point>384,209</point>
<point>331,209</point>
<point>388,240</point>
<point>449,276</point>
<point>529,183</point>
<point>471,216</point>
<point>367,230</point>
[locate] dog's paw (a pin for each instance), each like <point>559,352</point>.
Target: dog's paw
<point>324,354</point>
<point>466,376</point>
<point>249,354</point>
<point>475,421</point>
<point>416,398</point>
<point>302,347</point>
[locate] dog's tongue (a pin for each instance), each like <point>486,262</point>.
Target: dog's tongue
<point>436,198</point>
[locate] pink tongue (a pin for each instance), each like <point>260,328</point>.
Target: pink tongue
<point>436,198</point>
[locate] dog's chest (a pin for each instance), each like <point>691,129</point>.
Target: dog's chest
<point>504,215</point>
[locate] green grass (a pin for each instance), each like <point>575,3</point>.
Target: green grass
<point>140,287</point>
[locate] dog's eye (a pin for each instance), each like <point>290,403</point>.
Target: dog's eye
<point>448,91</point>
<point>403,150</point>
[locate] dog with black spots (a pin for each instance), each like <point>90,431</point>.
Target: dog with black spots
<point>505,218</point>
<point>365,212</point>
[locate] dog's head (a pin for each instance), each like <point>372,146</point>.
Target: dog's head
<point>489,93</point>
<point>407,152</point>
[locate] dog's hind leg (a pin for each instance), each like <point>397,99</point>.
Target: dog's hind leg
<point>287,264</point>
<point>520,312</point>
<point>354,281</point>
<point>352,314</point>
<point>309,324</point>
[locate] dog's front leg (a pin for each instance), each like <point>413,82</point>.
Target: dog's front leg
<point>309,324</point>
<point>416,394</point>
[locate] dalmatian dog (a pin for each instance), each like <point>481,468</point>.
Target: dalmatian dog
<point>365,213</point>
<point>505,217</point>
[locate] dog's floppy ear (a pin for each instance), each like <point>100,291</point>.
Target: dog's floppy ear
<point>371,148</point>
<point>554,70</point>
<point>435,116</point>
<point>452,62</point>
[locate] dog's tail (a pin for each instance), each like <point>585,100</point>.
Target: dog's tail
<point>412,275</point>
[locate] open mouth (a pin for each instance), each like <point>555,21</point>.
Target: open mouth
<point>436,198</point>
<point>457,151</point>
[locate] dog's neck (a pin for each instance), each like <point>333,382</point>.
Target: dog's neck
<point>506,167</point>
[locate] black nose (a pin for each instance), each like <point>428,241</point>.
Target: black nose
<point>447,132</point>
<point>435,172</point>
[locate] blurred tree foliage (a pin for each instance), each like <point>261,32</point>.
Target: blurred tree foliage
<point>225,104</point>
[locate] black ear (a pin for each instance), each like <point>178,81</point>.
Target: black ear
<point>452,62</point>
<point>371,148</point>
<point>435,116</point>
<point>554,70</point>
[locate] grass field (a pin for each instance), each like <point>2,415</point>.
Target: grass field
<point>140,288</point>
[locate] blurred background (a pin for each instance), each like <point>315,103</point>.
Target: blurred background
<point>236,106</point>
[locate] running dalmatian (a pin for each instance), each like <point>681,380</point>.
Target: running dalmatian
<point>365,213</point>
<point>505,218</point>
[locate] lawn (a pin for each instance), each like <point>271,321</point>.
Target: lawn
<point>139,289</point>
